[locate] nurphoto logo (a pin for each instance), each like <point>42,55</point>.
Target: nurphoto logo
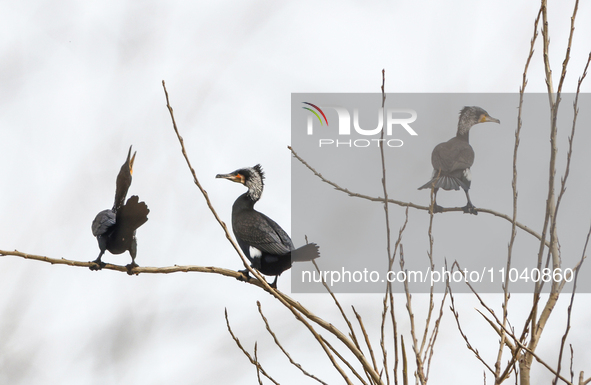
<point>394,117</point>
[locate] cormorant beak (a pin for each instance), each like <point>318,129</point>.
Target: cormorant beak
<point>238,178</point>
<point>486,118</point>
<point>130,161</point>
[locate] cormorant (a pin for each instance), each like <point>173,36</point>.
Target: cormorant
<point>452,159</point>
<point>266,245</point>
<point>115,228</point>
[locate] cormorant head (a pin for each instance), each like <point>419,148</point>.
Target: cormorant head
<point>470,116</point>
<point>124,180</point>
<point>251,177</point>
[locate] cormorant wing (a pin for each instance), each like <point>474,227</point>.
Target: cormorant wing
<point>455,154</point>
<point>260,231</point>
<point>103,222</point>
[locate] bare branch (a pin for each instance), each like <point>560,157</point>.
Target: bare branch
<point>410,204</point>
<point>570,308</point>
<point>572,373</point>
<point>282,349</point>
<point>572,134</point>
<point>367,342</point>
<point>415,345</point>
<point>250,358</point>
<point>514,218</point>
<point>338,304</point>
<point>298,314</point>
<point>256,359</point>
<point>430,346</point>
<point>383,339</point>
<point>434,334</point>
<point>464,336</point>
<point>136,270</point>
<point>343,314</point>
<point>568,47</point>
<point>404,362</point>
<point>206,196</point>
<point>388,240</point>
<point>552,204</point>
<point>346,362</point>
<point>546,43</point>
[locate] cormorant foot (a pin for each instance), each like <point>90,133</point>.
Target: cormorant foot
<point>437,209</point>
<point>245,275</point>
<point>470,209</point>
<point>130,267</point>
<point>98,265</point>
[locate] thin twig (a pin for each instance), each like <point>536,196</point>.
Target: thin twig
<point>343,314</point>
<point>391,297</point>
<point>550,219</point>
<point>338,304</point>
<point>404,362</point>
<point>346,362</point>
<point>250,358</point>
<point>258,366</point>
<point>570,309</point>
<point>568,47</point>
<point>514,218</point>
<point>366,337</point>
<point>424,344</point>
<point>388,241</point>
<point>297,365</point>
<point>298,314</point>
<point>415,345</point>
<point>572,358</point>
<point>563,189</point>
<point>383,335</point>
<point>434,334</point>
<point>464,336</point>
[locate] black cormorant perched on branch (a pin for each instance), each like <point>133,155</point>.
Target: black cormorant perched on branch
<point>266,245</point>
<point>115,228</point>
<point>452,159</point>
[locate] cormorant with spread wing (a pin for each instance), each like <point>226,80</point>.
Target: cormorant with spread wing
<point>266,245</point>
<point>115,228</point>
<point>452,159</point>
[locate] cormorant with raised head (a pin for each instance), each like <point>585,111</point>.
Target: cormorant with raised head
<point>266,245</point>
<point>115,228</point>
<point>452,159</point>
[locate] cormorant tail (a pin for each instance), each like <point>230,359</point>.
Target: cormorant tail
<point>305,253</point>
<point>446,182</point>
<point>134,213</point>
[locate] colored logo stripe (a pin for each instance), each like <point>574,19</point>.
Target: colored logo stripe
<point>314,112</point>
